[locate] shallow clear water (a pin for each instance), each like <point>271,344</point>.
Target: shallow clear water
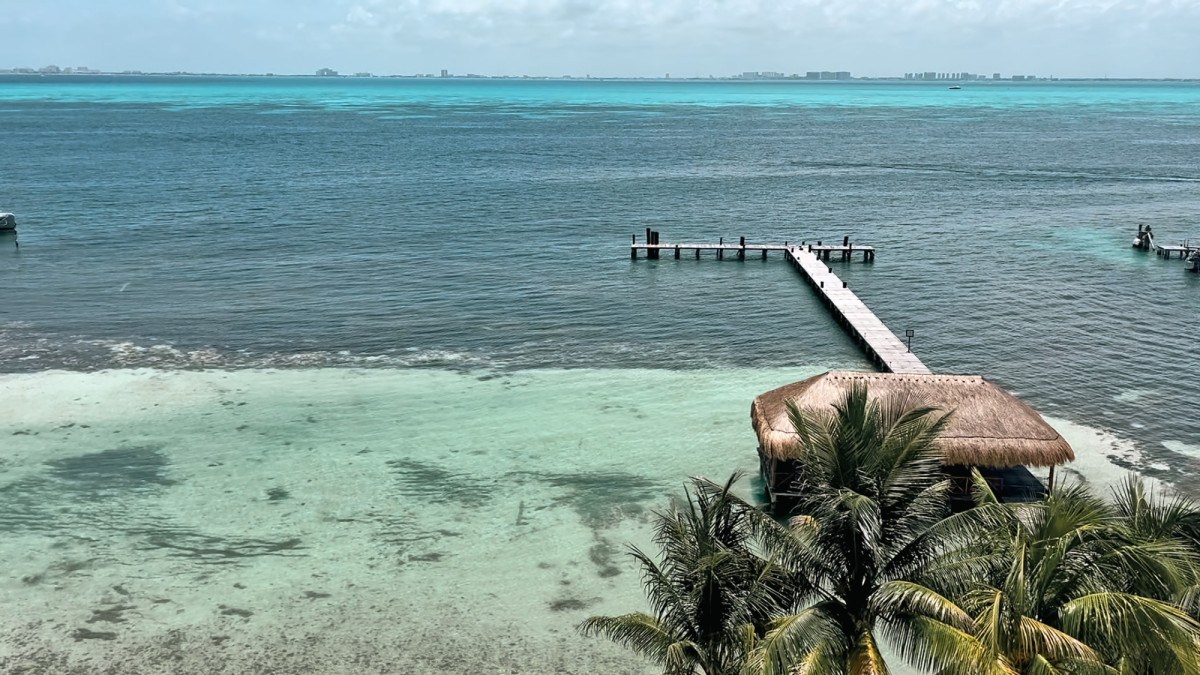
<point>343,520</point>
<point>421,292</point>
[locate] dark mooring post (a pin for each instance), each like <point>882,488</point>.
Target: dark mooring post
<point>633,248</point>
<point>764,254</point>
<point>677,252</point>
<point>742,253</point>
<point>721,251</point>
<point>654,252</point>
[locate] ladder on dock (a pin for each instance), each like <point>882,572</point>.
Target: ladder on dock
<point>879,343</point>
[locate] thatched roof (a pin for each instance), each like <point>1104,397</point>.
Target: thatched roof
<point>989,427</point>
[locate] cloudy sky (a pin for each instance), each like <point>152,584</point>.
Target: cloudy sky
<point>686,38</point>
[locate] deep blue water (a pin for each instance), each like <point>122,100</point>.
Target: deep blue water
<point>248,222</point>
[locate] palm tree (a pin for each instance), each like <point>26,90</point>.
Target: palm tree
<point>1068,585</point>
<point>872,515</point>
<point>710,593</point>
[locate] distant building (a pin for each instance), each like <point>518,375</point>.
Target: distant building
<point>995,76</point>
<point>445,73</point>
<point>362,74</point>
<point>327,72</point>
<point>49,70</point>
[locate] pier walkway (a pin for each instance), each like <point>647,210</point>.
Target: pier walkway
<point>881,345</point>
<point>1183,250</point>
<point>654,249</point>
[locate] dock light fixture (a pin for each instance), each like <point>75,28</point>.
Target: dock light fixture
<point>908,336</point>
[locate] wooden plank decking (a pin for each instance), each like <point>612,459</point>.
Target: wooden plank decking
<point>1183,250</point>
<point>878,342</point>
<point>873,337</point>
<point>845,250</point>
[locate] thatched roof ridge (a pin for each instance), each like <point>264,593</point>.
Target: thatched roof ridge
<point>990,427</point>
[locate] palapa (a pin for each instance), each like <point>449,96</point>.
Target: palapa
<point>990,427</point>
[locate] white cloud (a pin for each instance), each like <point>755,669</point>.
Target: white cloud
<point>1136,37</point>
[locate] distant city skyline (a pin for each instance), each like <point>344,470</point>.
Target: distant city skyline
<point>444,73</point>
<point>613,38</point>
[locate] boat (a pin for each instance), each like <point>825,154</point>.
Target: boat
<point>8,221</point>
<point>956,87</point>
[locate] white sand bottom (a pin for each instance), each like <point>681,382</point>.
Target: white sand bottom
<point>351,521</point>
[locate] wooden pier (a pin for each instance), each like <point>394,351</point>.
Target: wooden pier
<point>882,346</point>
<point>1183,250</point>
<point>1145,241</point>
<point>654,249</point>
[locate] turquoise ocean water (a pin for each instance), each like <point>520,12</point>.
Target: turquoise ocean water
<point>318,375</point>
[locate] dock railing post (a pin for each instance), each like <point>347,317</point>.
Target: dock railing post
<point>633,248</point>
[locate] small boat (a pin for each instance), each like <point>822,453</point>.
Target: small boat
<point>956,87</point>
<point>8,221</point>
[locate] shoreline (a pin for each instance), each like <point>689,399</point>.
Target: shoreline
<point>349,520</point>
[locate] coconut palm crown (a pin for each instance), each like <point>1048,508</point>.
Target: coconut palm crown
<point>711,595</point>
<point>873,512</point>
<point>1071,584</point>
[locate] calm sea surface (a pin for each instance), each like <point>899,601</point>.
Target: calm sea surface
<point>480,230</point>
<point>482,223</point>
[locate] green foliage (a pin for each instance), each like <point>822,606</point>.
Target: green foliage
<point>710,593</point>
<point>1071,585</point>
<point>1075,585</point>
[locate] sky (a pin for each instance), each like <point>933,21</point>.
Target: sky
<point>607,38</point>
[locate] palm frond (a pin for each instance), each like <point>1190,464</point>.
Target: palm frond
<point>792,640</point>
<point>1142,630</point>
<point>931,645</point>
<point>1053,644</point>
<point>640,632</point>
